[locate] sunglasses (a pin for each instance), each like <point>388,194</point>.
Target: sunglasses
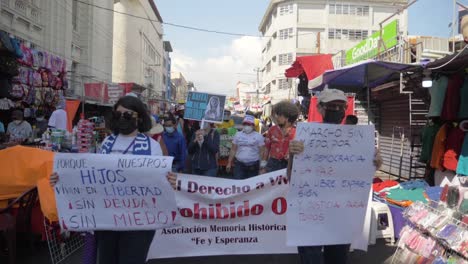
<point>129,115</point>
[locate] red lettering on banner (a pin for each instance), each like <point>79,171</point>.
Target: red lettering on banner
<point>220,211</point>
<point>193,187</point>
<point>279,206</point>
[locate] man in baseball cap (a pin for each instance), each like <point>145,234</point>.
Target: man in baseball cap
<point>332,104</point>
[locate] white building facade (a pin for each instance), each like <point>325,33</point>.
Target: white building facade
<point>138,46</point>
<point>77,32</point>
<point>307,27</point>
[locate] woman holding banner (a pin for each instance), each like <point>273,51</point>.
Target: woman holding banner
<point>247,149</point>
<point>129,123</point>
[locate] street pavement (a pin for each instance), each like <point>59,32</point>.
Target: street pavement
<point>379,253</point>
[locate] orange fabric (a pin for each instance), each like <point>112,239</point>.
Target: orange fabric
<point>24,168</point>
<point>438,150</point>
<point>72,107</point>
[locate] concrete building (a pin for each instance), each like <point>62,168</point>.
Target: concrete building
<point>138,46</point>
<point>78,32</point>
<point>306,27</point>
<point>181,86</point>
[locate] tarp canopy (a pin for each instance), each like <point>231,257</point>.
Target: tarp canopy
<point>313,66</point>
<point>450,63</point>
<point>369,73</point>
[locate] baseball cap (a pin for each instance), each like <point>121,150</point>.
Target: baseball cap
<point>248,119</point>
<point>329,95</point>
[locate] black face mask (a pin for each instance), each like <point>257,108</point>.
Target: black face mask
<point>334,116</point>
<point>127,126</point>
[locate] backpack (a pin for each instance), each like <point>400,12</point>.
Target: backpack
<point>17,91</point>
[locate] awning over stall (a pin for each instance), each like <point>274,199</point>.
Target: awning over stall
<point>312,66</point>
<point>370,73</point>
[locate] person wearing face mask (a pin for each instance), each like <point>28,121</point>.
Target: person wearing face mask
<point>204,149</point>
<point>19,130</point>
<point>130,121</point>
<point>228,122</point>
<point>175,143</point>
<point>247,149</point>
<point>278,136</point>
<point>59,119</point>
<point>41,123</point>
<point>331,105</point>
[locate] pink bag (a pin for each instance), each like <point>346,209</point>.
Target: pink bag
<point>27,58</point>
<point>23,76</point>
<point>36,79</point>
<point>17,91</point>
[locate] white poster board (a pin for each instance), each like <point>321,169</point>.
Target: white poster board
<point>227,217</point>
<point>330,184</point>
<point>113,192</point>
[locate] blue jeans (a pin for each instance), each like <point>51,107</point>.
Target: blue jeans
<point>334,254</point>
<point>245,171</point>
<point>129,247</point>
<point>276,164</point>
<point>208,172</point>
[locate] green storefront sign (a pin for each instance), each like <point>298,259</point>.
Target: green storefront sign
<point>368,48</point>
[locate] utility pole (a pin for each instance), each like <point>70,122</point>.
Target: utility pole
<point>257,70</point>
<point>454,23</point>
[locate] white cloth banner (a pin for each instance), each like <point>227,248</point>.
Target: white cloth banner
<point>114,192</point>
<point>330,184</point>
<point>227,217</point>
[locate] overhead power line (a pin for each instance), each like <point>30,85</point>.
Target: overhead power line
<point>172,24</point>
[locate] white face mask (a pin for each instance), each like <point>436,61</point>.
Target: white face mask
<point>40,119</point>
<point>17,122</point>
<point>248,129</point>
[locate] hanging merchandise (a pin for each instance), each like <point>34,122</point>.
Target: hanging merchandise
<point>452,98</point>
<point>434,233</point>
<point>40,79</point>
<point>85,135</point>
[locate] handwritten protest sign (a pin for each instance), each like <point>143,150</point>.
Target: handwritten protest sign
<point>114,192</point>
<point>227,217</point>
<point>225,142</point>
<point>330,184</point>
<point>204,106</point>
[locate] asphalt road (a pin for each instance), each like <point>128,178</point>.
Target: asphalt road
<point>379,253</point>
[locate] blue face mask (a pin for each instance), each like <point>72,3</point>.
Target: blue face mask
<point>169,130</point>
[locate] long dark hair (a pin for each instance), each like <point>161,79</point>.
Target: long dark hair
<point>134,104</point>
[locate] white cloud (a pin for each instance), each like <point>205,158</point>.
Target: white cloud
<point>220,74</point>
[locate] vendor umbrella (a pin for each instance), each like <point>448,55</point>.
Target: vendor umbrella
<point>364,75</point>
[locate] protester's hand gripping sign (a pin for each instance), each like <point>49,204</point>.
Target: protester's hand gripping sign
<point>114,192</point>
<point>330,184</point>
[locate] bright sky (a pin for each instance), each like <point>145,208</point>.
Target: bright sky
<point>215,63</point>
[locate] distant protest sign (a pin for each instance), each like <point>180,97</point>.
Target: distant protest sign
<point>114,192</point>
<point>330,184</point>
<point>204,106</point>
<point>227,217</point>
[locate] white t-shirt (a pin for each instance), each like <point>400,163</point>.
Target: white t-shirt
<point>58,119</point>
<point>248,146</point>
<point>123,143</point>
<point>19,132</point>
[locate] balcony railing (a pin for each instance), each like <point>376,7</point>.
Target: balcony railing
<point>26,8</point>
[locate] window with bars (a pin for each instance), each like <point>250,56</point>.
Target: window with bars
<point>347,9</point>
<point>347,34</point>
<point>286,33</point>
<point>285,59</point>
<point>268,88</point>
<point>284,84</point>
<point>149,50</point>
<point>285,10</point>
